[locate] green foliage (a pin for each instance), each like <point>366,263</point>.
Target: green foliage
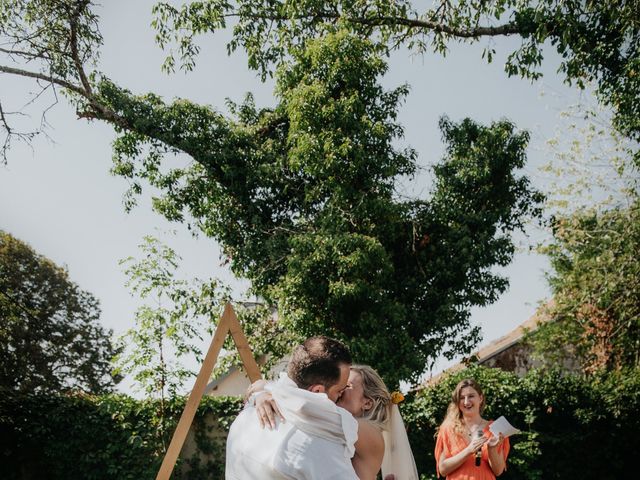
<point>36,27</point>
<point>168,324</point>
<point>598,41</point>
<point>50,336</point>
<point>590,163</point>
<point>572,426</point>
<point>594,200</point>
<point>596,286</point>
<point>302,199</point>
<point>109,437</point>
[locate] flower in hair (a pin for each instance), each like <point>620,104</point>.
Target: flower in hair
<point>397,397</point>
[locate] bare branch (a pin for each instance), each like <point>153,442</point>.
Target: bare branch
<point>74,47</point>
<point>96,111</point>
<point>43,118</point>
<point>479,31</point>
<point>21,53</point>
<point>4,120</point>
<point>46,78</point>
<point>25,137</point>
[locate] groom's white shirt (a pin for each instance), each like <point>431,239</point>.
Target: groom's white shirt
<point>316,442</point>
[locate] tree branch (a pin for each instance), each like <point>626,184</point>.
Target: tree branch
<point>96,111</point>
<point>46,78</point>
<point>21,53</point>
<point>24,136</point>
<point>4,120</point>
<point>509,28</point>
<point>74,47</point>
<point>506,29</point>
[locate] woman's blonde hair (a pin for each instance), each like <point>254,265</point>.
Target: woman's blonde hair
<point>453,418</point>
<point>376,391</point>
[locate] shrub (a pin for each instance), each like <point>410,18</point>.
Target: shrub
<point>108,437</point>
<point>573,426</point>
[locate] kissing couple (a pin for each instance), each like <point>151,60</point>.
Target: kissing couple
<point>326,419</point>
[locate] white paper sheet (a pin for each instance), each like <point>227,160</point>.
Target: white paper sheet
<point>502,425</point>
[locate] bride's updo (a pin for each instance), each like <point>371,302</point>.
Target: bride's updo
<point>375,390</point>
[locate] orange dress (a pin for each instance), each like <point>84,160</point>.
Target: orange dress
<point>451,443</point>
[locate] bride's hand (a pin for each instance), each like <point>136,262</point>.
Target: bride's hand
<point>256,386</point>
<point>267,410</point>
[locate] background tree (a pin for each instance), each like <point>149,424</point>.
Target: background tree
<point>596,285</point>
<point>594,247</point>
<point>319,230</point>
<point>169,325</point>
<point>304,197</point>
<point>167,329</point>
<point>178,316</point>
<point>50,336</point>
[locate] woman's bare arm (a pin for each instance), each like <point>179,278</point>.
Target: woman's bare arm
<point>496,460</point>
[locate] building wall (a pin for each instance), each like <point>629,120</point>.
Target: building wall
<point>236,382</point>
<point>516,359</point>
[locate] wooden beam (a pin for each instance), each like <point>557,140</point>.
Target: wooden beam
<point>228,324</point>
<point>246,355</point>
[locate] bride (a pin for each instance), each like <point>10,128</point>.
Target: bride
<point>382,440</point>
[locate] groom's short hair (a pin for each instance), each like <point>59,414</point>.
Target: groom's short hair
<point>317,361</point>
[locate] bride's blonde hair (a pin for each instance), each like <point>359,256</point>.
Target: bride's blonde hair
<point>376,391</point>
<point>453,418</point>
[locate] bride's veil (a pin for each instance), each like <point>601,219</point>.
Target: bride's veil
<point>398,458</point>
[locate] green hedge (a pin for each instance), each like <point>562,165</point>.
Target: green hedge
<point>573,427</point>
<point>110,437</point>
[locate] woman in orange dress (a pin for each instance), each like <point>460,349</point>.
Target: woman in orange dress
<point>465,448</point>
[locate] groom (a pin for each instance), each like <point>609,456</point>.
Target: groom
<point>316,441</point>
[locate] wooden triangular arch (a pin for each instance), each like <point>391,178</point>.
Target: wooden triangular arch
<point>228,324</point>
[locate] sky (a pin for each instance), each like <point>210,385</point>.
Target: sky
<point>58,195</point>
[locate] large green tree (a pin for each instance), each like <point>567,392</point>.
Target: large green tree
<point>303,197</point>
<point>51,339</point>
